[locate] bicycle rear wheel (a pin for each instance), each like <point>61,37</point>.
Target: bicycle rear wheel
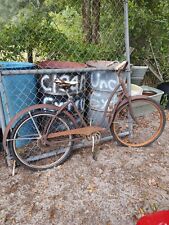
<point>150,123</point>
<point>27,146</point>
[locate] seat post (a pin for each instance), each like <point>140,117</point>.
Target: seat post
<point>69,96</point>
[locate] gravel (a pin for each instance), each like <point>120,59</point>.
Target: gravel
<point>116,189</point>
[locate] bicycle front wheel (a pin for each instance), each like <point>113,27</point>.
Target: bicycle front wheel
<point>147,126</point>
<point>26,142</point>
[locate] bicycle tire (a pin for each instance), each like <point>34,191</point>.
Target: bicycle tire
<point>26,152</point>
<point>151,122</point>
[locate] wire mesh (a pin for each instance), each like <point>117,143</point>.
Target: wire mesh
<point>60,35</point>
<point>39,30</point>
<point>79,30</point>
<point>90,94</point>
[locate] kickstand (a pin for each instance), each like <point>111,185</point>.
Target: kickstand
<point>93,148</point>
<point>13,168</point>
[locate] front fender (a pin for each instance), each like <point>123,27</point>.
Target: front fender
<point>132,98</point>
<point>124,101</point>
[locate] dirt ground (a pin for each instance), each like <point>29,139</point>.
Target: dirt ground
<point>114,190</point>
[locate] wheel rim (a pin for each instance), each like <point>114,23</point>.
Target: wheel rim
<point>30,153</point>
<point>150,118</point>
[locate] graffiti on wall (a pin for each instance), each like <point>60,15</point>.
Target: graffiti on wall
<point>52,94</point>
<point>104,81</point>
<point>49,86</point>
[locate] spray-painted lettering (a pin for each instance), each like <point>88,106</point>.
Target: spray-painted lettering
<point>104,81</point>
<point>80,103</point>
<point>49,86</point>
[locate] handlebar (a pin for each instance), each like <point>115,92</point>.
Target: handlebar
<point>122,66</point>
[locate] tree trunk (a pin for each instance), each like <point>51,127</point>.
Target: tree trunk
<point>30,55</point>
<point>86,20</point>
<point>95,20</point>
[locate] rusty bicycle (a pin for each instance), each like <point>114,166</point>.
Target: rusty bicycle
<point>42,135</point>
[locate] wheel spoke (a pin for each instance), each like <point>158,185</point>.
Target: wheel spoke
<point>150,118</point>
<point>35,124</point>
<point>29,148</point>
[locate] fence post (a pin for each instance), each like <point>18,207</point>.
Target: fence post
<point>2,116</point>
<point>127,44</point>
<point>2,119</point>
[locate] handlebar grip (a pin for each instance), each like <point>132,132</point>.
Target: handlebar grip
<point>121,66</point>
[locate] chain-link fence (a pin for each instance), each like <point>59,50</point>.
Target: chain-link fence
<point>61,40</point>
<point>78,30</point>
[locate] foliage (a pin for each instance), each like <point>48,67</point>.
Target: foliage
<point>54,30</point>
<point>149,26</point>
<point>25,33</point>
<point>164,101</point>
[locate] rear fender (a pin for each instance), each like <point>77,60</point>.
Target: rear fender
<point>33,107</point>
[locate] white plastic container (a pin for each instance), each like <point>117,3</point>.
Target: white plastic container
<point>152,93</point>
<point>136,90</point>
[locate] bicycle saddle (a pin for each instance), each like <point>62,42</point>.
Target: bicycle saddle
<point>65,84</point>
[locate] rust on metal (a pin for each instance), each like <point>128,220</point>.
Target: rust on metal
<point>34,107</point>
<point>102,64</point>
<point>79,131</point>
<point>141,97</point>
<point>51,64</point>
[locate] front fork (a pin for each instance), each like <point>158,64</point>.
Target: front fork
<point>125,99</point>
<point>131,116</point>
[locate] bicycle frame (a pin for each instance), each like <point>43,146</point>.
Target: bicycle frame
<point>49,138</point>
<point>84,124</point>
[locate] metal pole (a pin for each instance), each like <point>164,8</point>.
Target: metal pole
<point>127,44</point>
<point>51,71</point>
<point>2,117</point>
